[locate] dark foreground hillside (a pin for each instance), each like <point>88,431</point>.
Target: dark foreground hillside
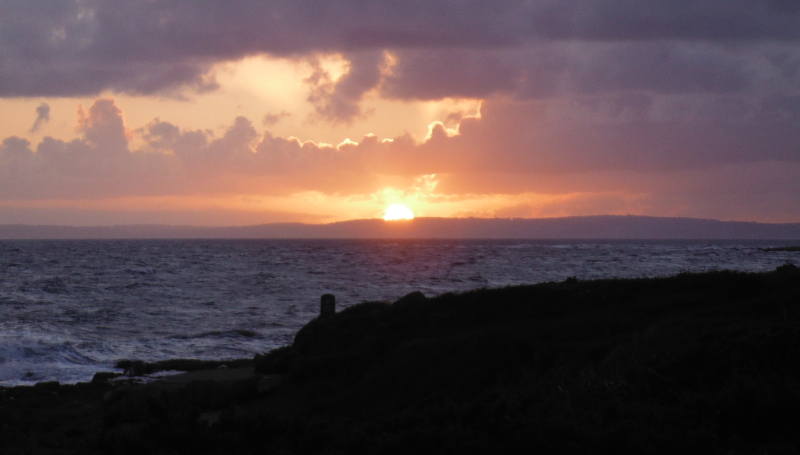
<point>693,363</point>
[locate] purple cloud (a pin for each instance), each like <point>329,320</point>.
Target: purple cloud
<point>42,117</point>
<point>83,48</point>
<point>339,101</point>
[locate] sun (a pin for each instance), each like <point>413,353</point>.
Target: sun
<point>398,212</point>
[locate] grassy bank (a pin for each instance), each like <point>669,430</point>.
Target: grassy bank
<point>696,362</point>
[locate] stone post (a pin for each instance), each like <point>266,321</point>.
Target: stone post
<point>327,306</point>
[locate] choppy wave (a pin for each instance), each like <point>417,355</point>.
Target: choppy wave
<point>33,356</point>
<point>71,308</point>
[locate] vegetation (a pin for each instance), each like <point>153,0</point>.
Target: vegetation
<point>696,362</point>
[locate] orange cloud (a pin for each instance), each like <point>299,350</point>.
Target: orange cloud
<point>514,159</point>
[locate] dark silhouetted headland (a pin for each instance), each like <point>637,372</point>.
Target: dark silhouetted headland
<point>578,227</point>
<point>694,363</point>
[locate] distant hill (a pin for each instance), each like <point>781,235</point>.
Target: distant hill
<point>577,227</point>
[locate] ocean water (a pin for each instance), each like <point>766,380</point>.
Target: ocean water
<point>69,309</point>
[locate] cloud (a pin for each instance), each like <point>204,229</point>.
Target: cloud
<point>272,119</point>
<point>646,133</point>
<point>182,211</point>
<point>42,117</point>
<point>86,47</point>
<point>340,100</point>
<point>103,126</point>
<point>557,69</point>
<point>618,155</point>
<point>599,105</point>
<point>439,73</point>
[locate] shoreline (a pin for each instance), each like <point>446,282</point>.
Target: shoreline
<point>81,321</point>
<point>661,365</point>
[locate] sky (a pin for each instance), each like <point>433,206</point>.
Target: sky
<point>260,111</point>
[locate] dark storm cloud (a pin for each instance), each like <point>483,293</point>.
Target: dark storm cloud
<point>85,46</point>
<point>547,70</point>
<point>436,74</point>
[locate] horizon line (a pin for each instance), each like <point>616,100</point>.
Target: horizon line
<point>389,222</point>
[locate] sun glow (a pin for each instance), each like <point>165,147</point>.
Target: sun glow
<point>398,212</point>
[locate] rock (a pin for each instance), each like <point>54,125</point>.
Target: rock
<point>104,376</point>
<point>51,386</point>
<point>327,306</point>
<point>411,299</point>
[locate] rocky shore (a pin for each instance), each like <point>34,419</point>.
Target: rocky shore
<point>704,362</point>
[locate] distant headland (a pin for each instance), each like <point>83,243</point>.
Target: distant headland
<point>575,227</point>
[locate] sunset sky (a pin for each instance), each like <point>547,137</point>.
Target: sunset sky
<point>253,111</point>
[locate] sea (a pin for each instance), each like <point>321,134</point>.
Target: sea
<point>71,308</point>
